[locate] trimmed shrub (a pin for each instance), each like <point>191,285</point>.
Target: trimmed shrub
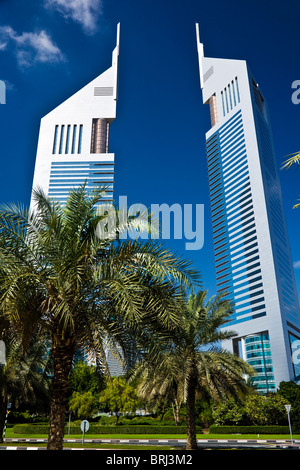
<point>143,421</point>
<point>249,430</point>
<point>31,428</point>
<point>95,429</point>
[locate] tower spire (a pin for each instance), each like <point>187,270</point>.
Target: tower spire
<point>115,59</point>
<point>200,54</point>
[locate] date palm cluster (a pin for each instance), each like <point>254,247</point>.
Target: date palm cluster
<point>65,287</point>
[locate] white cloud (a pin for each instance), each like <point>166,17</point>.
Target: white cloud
<point>30,47</point>
<point>83,12</point>
<point>296,264</point>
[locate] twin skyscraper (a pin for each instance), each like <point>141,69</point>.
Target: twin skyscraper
<point>252,254</point>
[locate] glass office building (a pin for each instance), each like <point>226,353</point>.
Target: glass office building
<point>252,254</point>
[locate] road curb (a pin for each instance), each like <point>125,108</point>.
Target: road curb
<point>279,443</point>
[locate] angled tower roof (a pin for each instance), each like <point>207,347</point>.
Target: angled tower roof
<point>74,137</point>
<point>104,88</point>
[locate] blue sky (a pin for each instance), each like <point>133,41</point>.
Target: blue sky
<point>51,48</point>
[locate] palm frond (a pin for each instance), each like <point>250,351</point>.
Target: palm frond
<point>294,159</point>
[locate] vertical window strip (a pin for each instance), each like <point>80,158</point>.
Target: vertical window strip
<point>230,99</point>
<point>222,95</point>
<point>62,131</point>
<point>80,138</point>
<point>233,92</point>
<point>237,89</point>
<point>226,99</point>
<point>67,139</point>
<point>55,139</point>
<point>74,138</point>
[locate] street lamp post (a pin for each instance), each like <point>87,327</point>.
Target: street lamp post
<point>70,412</point>
<point>2,353</point>
<point>288,409</point>
<point>6,416</point>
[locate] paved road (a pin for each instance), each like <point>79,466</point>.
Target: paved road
<point>176,443</point>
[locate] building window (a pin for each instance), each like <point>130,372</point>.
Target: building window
<point>99,137</point>
<point>67,139</point>
<point>237,89</point>
<point>230,99</point>
<point>62,131</point>
<point>233,92</point>
<point>74,138</point>
<point>80,138</point>
<point>55,139</point>
<point>213,110</point>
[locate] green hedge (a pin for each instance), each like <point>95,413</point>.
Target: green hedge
<point>94,429</point>
<point>249,430</point>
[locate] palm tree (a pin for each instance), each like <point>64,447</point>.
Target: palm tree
<point>58,275</point>
<point>160,380</point>
<point>194,362</point>
<point>293,159</point>
<point>23,377</point>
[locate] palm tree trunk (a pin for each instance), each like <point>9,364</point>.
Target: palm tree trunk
<point>176,410</point>
<point>62,354</point>
<point>191,443</point>
<point>174,414</point>
<point>3,410</point>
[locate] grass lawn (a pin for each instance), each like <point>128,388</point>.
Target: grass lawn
<point>10,434</point>
<point>92,445</point>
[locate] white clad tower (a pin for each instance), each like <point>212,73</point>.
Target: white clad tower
<point>73,147</point>
<point>73,144</point>
<point>251,246</point>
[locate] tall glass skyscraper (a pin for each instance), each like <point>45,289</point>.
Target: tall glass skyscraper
<point>252,254</point>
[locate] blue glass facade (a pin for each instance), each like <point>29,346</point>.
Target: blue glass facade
<point>235,242</point>
<point>258,354</point>
<point>238,269</point>
<point>251,247</point>
<point>70,175</point>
